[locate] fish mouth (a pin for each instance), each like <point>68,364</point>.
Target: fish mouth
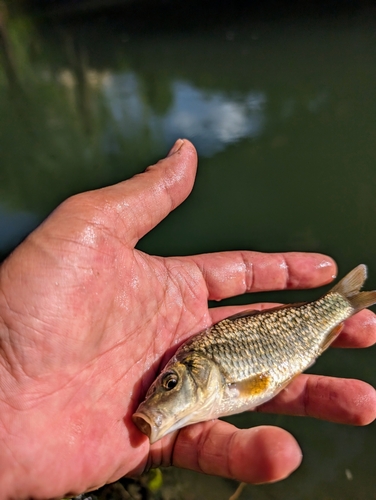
<point>143,424</point>
<point>153,428</point>
<point>150,426</point>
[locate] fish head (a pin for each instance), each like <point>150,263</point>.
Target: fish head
<point>184,393</point>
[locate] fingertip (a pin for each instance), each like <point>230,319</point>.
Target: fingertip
<point>327,266</point>
<point>176,147</point>
<point>158,190</point>
<point>308,270</point>
<point>258,455</point>
<point>181,146</point>
<point>364,400</point>
<point>278,455</point>
<point>176,173</point>
<point>359,331</point>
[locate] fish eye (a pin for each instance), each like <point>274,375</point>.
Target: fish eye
<point>170,381</point>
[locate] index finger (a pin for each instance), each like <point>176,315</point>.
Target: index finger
<point>233,273</point>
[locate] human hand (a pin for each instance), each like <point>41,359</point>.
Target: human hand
<point>86,322</point>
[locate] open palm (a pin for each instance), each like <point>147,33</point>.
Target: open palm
<point>86,321</point>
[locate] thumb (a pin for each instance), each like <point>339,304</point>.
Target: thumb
<point>129,209</point>
<point>144,200</point>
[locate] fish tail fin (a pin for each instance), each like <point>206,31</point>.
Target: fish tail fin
<point>362,300</point>
<point>349,287</point>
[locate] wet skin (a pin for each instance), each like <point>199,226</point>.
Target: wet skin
<point>86,321</point>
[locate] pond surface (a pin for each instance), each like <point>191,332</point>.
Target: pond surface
<point>282,111</point>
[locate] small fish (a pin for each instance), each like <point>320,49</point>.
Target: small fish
<point>246,359</point>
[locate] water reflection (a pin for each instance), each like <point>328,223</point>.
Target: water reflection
<point>98,118</point>
<point>14,226</point>
<point>213,120</point>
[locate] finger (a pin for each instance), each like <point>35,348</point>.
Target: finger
<point>258,455</point>
<point>359,330</point>
<point>133,207</point>
<point>149,197</point>
<point>343,401</point>
<point>161,188</point>
<point>233,273</point>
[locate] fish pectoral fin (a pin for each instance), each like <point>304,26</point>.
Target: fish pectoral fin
<point>287,382</point>
<point>332,335</point>
<point>254,386</point>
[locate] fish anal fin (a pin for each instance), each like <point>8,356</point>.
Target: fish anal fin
<point>332,335</point>
<point>254,385</point>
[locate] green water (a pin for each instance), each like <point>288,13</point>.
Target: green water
<point>282,111</point>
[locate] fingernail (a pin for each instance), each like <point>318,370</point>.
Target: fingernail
<point>175,148</point>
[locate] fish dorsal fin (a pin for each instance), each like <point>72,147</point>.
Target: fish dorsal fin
<point>244,314</point>
<point>349,287</point>
<point>254,385</point>
<point>254,312</point>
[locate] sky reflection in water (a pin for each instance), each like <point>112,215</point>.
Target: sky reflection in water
<point>212,120</point>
